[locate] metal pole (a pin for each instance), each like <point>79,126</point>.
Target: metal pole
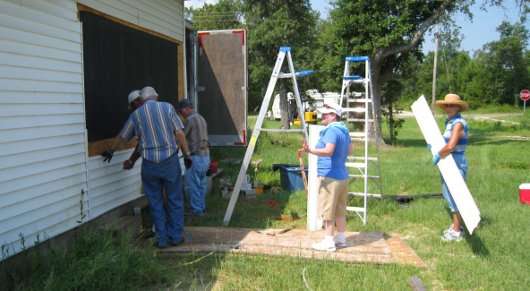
<point>434,69</point>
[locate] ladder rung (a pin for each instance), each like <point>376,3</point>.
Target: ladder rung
<point>356,209</point>
<point>353,78</point>
<point>359,100</point>
<point>362,176</point>
<point>355,109</point>
<point>357,134</point>
<point>281,130</point>
<point>285,75</point>
<point>355,165</point>
<point>357,59</point>
<point>359,120</point>
<point>298,74</point>
<point>361,194</point>
<point>362,158</point>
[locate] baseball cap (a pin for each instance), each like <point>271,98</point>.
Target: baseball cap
<point>148,92</point>
<point>183,104</point>
<point>330,108</point>
<point>133,96</point>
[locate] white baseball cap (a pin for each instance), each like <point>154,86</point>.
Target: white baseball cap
<point>133,96</point>
<point>330,108</point>
<point>148,92</point>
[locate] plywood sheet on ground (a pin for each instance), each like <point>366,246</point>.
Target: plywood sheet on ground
<point>363,247</point>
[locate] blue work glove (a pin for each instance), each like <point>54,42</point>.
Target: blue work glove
<point>436,158</point>
<point>429,146</point>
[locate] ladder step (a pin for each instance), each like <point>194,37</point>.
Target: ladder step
<point>355,165</point>
<point>356,209</point>
<point>298,74</point>
<point>358,120</point>
<point>357,59</point>
<point>362,176</point>
<point>359,100</point>
<point>361,194</point>
<point>353,78</point>
<point>358,134</point>
<point>355,109</point>
<point>362,158</point>
<point>281,130</point>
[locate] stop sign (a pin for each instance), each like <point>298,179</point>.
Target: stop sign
<point>525,95</point>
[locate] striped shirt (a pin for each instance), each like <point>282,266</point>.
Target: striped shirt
<point>154,124</point>
<point>462,142</point>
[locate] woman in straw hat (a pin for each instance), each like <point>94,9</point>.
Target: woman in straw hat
<point>456,138</point>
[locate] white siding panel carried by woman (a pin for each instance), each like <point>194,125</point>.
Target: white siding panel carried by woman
<point>42,125</point>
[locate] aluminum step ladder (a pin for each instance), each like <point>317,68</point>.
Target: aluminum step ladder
<point>359,112</point>
<point>276,74</point>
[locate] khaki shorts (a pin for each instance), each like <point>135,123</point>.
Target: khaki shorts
<point>332,198</point>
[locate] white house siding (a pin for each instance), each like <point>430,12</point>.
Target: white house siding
<point>45,171</point>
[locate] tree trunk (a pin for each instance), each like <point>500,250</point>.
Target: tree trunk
<point>376,100</point>
<point>284,106</point>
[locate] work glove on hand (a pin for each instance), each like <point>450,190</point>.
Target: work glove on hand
<point>107,155</point>
<point>429,147</point>
<point>188,162</point>
<point>436,158</point>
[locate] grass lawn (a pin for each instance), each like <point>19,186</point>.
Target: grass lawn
<point>495,257</point>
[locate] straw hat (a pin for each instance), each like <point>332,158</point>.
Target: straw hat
<point>452,99</point>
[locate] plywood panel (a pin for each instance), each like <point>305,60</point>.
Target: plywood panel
<point>363,247</point>
<point>222,79</point>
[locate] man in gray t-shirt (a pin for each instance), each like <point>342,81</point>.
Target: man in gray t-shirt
<point>196,131</point>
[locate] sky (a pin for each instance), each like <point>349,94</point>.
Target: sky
<point>475,34</point>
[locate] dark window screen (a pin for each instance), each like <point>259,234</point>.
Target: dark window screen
<point>117,60</point>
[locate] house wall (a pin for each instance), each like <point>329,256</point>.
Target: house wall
<point>48,184</point>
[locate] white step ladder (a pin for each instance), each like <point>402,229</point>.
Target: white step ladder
<point>359,112</point>
<point>276,74</point>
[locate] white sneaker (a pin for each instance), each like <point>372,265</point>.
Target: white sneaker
<point>340,244</point>
<point>325,245</point>
<point>451,229</point>
<point>452,235</point>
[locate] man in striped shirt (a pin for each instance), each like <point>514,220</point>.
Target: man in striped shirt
<point>156,124</point>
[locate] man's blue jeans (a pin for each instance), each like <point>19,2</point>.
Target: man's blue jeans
<point>195,178</point>
<point>169,221</point>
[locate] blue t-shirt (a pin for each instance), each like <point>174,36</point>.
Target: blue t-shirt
<point>335,165</point>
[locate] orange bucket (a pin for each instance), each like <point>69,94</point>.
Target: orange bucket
<point>259,189</point>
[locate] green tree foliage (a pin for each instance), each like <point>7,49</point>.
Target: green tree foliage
<point>495,74</point>
<point>272,24</point>
<point>226,14</point>
<point>504,67</point>
<point>389,31</point>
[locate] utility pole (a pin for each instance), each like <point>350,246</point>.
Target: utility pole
<point>434,69</point>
